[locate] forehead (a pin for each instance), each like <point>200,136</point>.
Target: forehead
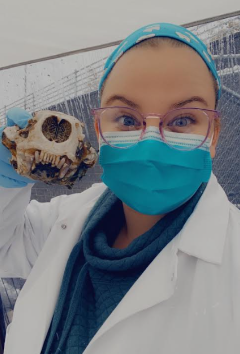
<point>167,72</point>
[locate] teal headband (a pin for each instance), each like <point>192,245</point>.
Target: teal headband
<point>162,30</point>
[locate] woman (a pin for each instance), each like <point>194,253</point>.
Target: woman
<point>156,269</point>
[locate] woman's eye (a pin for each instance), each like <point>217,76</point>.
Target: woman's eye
<point>128,121</point>
<point>181,122</point>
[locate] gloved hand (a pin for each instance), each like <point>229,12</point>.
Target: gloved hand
<point>9,178</point>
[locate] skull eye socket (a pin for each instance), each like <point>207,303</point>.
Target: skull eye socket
<point>56,129</point>
<point>24,134</point>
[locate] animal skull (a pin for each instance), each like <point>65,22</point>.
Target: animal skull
<point>51,148</point>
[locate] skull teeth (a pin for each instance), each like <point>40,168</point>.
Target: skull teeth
<point>53,157</point>
<point>45,158</point>
<point>33,166</point>
<point>70,173</point>
<point>37,156</point>
<point>29,163</point>
<point>64,170</point>
<point>41,155</point>
<point>61,163</point>
<point>57,160</point>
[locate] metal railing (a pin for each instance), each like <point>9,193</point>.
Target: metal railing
<point>75,84</point>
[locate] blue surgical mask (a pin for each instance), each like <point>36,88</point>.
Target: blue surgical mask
<point>152,177</point>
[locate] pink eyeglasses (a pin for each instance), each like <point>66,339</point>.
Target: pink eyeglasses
<point>180,121</point>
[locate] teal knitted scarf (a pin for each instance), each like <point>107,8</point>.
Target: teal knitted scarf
<point>98,276</point>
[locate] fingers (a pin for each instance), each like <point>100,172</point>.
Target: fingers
<point>17,116</point>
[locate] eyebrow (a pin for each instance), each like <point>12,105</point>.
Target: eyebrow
<point>136,106</point>
<point>122,99</point>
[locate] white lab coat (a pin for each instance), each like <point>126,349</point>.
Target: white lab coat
<point>187,301</point>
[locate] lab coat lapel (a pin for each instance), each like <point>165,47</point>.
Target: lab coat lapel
<point>155,285</point>
<point>207,240</point>
<point>158,281</point>
<point>56,250</point>
<point>35,305</point>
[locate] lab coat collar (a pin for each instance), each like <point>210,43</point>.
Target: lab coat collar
<point>156,284</point>
<point>203,235</point>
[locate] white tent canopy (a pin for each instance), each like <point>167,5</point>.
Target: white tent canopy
<point>35,29</point>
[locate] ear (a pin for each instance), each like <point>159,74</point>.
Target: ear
<point>96,127</point>
<point>216,133</point>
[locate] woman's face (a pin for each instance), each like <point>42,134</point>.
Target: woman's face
<point>156,80</point>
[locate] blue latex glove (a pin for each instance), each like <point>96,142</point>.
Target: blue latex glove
<point>9,178</point>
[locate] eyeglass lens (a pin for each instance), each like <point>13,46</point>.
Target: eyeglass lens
<point>176,123</point>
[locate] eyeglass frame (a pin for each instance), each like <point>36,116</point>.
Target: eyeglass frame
<point>96,112</point>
